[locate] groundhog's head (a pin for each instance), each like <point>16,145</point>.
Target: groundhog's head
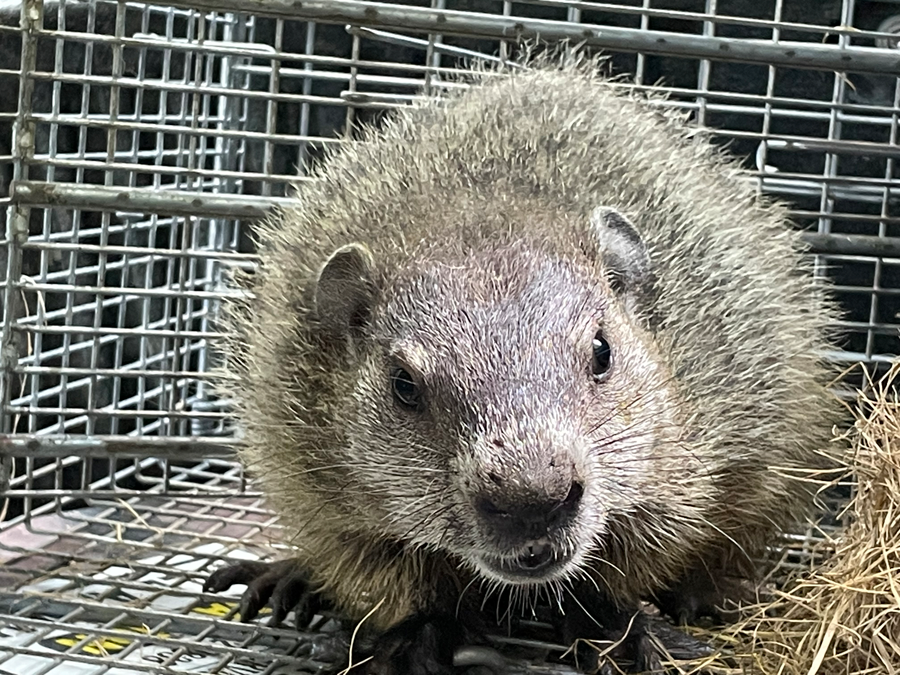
<point>510,406</point>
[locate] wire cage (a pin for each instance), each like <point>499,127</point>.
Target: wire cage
<point>138,140</point>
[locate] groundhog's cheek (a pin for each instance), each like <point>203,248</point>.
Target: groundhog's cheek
<point>590,531</point>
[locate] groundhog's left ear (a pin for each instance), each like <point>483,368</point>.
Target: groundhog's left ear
<point>624,255</point>
<point>345,290</point>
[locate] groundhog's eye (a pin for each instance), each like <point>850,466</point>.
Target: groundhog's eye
<point>406,392</point>
<point>602,356</point>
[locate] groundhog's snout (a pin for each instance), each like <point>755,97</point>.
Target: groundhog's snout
<point>524,516</point>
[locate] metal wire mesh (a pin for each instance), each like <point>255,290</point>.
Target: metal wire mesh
<point>136,142</point>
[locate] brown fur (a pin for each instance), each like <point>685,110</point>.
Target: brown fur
<point>464,202</point>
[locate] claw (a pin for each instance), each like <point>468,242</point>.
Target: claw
<point>282,584</point>
<point>679,645</point>
<point>226,577</point>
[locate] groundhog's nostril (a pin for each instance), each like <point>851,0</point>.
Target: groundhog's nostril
<point>489,509</point>
<point>573,498</point>
<point>564,510</point>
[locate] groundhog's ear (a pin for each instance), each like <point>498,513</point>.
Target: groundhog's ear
<point>624,255</point>
<point>345,290</point>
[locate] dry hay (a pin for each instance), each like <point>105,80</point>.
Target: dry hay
<point>842,616</point>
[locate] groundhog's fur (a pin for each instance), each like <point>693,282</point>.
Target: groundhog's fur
<point>475,209</point>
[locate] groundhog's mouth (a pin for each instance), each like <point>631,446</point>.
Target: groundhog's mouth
<point>538,562</point>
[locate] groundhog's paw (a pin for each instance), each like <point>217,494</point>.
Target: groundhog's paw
<point>283,585</point>
<point>421,645</point>
<point>610,642</point>
<point>699,595</point>
<point>677,644</point>
<point>612,653</point>
<point>636,653</point>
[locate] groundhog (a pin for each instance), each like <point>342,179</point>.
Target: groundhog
<point>535,336</point>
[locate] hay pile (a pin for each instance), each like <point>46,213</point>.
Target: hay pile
<point>843,616</point>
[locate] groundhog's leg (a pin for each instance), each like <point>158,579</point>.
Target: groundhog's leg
<point>422,644</point>
<point>603,625</point>
<point>427,642</point>
<point>709,592</point>
<point>641,641</point>
<point>283,584</point>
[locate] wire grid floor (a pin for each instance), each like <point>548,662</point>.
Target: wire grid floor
<point>116,588</point>
<point>149,134</point>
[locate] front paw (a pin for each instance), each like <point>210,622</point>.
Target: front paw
<point>420,645</point>
<point>611,640</point>
<point>283,584</point>
<point>614,646</point>
<point>698,594</point>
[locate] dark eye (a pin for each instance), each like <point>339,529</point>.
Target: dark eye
<point>406,392</point>
<point>602,355</point>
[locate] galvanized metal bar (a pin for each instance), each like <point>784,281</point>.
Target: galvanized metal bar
<point>166,292</point>
<point>200,254</point>
<point>164,202</point>
<point>472,24</point>
<point>711,16</point>
<point>18,214</point>
<point>126,447</point>
<point>247,207</point>
<point>123,371</point>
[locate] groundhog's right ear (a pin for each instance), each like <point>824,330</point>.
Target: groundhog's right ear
<point>345,291</point>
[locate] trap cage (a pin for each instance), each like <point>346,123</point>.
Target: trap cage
<point>137,141</point>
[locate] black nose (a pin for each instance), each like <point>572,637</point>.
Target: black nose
<point>528,518</point>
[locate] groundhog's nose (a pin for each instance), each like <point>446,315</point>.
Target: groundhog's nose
<point>525,518</point>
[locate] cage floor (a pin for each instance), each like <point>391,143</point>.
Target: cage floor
<point>116,589</point>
